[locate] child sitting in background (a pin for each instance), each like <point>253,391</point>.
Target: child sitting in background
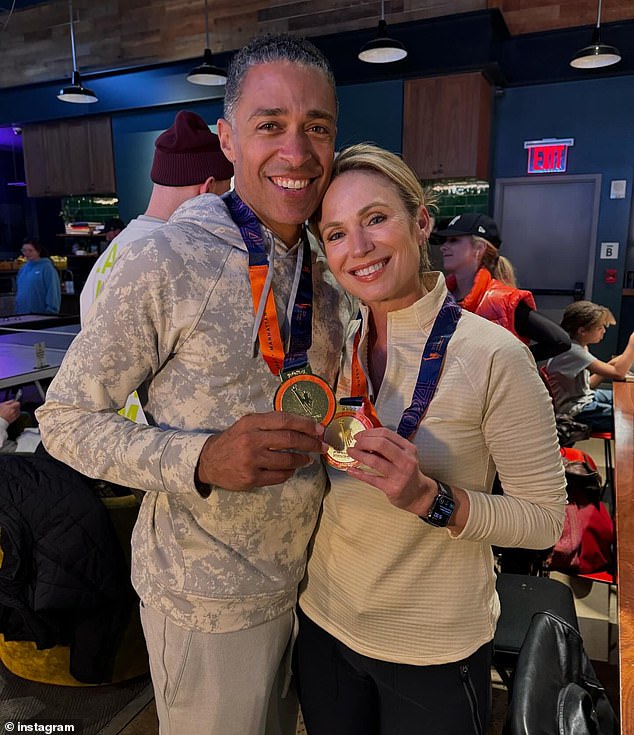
<point>574,375</point>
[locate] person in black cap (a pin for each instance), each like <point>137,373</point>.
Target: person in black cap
<point>483,282</point>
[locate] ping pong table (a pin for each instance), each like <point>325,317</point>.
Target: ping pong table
<point>36,321</point>
<point>22,363</point>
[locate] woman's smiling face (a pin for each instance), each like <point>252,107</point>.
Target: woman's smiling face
<point>372,244</point>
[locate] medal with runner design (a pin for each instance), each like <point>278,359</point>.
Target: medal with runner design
<point>340,435</point>
<point>305,394</point>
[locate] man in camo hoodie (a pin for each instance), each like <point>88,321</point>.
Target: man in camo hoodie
<point>219,546</point>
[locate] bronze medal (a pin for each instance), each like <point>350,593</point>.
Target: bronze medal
<point>340,436</point>
<point>305,394</point>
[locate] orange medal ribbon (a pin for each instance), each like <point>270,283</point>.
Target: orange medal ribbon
<point>269,331</point>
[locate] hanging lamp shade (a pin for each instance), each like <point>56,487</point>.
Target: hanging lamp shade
<point>75,92</point>
<point>382,49</point>
<point>207,72</point>
<point>597,54</point>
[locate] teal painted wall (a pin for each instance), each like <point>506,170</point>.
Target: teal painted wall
<point>371,113</point>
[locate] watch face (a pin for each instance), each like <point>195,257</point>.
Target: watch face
<point>441,511</point>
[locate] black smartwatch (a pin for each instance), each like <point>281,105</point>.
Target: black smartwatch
<point>442,507</point>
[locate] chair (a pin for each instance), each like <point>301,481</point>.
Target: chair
<point>607,577</point>
<point>521,596</point>
<point>608,485</point>
<point>556,690</point>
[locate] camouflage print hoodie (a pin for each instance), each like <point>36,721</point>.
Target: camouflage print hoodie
<point>176,320</point>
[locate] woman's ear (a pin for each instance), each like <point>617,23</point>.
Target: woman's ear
<point>479,247</point>
<point>424,223</point>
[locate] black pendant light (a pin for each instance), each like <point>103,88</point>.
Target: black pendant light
<point>598,54</point>
<point>207,72</point>
<point>75,92</point>
<point>382,49</point>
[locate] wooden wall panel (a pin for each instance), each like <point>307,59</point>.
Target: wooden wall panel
<point>35,45</point>
<point>530,16</point>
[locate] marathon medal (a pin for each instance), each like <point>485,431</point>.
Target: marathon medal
<point>340,435</point>
<point>301,392</point>
<point>305,394</point>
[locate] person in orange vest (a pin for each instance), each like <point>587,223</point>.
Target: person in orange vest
<point>483,282</point>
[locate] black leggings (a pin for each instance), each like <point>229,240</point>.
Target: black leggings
<point>344,693</point>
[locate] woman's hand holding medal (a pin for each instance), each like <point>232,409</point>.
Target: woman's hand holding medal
<point>258,450</point>
<point>390,463</point>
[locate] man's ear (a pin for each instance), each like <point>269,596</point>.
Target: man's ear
<point>207,186</point>
<point>225,136</point>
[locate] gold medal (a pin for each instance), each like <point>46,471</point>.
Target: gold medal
<point>305,394</point>
<point>340,434</point>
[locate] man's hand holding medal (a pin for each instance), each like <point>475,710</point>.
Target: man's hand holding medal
<point>258,450</point>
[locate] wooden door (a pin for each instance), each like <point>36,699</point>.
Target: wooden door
<point>78,174</point>
<point>420,135</point>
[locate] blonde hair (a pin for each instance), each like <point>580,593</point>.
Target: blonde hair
<point>368,157</point>
<point>498,266</point>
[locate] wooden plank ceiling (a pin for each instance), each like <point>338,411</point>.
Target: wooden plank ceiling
<point>35,38</point>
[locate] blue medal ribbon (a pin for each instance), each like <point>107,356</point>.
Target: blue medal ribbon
<point>431,364</point>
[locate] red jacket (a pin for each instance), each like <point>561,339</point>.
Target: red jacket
<point>494,300</point>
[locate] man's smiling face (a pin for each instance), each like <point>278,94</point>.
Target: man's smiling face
<point>281,141</point>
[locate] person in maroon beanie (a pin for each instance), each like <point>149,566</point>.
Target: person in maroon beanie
<point>187,162</point>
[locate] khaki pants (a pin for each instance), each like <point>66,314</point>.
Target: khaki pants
<point>222,683</point>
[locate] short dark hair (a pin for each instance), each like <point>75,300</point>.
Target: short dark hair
<point>266,50</point>
<point>35,242</point>
<point>585,314</point>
